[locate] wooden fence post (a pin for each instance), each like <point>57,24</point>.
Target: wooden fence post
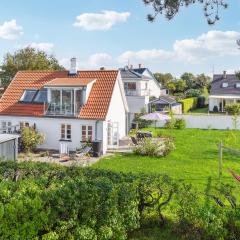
<point>220,158</point>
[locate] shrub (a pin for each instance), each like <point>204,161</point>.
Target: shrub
<point>154,147</point>
<point>31,138</point>
<point>201,102</point>
<point>170,123</point>
<point>193,93</point>
<point>215,109</point>
<point>189,104</point>
<point>180,123</point>
<point>233,109</point>
<point>141,122</point>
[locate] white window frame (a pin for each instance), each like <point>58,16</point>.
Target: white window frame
<point>89,128</point>
<point>224,84</point>
<point>7,125</point>
<point>64,135</point>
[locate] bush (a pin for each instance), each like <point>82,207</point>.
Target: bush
<point>188,104</point>
<point>30,138</point>
<point>215,109</point>
<point>154,147</point>
<point>180,123</point>
<point>201,102</point>
<point>233,109</point>
<point>141,122</point>
<point>193,93</point>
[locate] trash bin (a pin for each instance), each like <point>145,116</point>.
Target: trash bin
<point>97,148</point>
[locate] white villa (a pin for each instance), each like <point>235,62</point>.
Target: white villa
<point>225,89</point>
<point>139,85</point>
<point>71,106</point>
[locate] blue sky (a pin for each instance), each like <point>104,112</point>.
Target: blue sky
<point>120,33</point>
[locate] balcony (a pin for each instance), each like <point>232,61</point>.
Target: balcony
<point>138,92</point>
<point>64,110</point>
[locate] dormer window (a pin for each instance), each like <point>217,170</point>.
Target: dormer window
<point>28,95</point>
<point>225,85</point>
<point>41,96</point>
<point>237,85</point>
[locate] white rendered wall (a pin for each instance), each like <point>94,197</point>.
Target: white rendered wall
<point>135,103</point>
<point>116,110</point>
<point>51,128</point>
<point>207,121</point>
<point>213,102</point>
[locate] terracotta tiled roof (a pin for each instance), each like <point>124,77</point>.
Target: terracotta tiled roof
<point>63,82</point>
<point>95,108</point>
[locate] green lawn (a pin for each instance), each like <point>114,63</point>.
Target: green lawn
<point>195,158</point>
<point>199,110</point>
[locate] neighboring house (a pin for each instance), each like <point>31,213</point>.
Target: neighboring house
<point>139,85</point>
<point>225,89</point>
<point>165,103</point>
<point>71,106</point>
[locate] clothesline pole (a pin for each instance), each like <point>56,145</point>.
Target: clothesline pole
<point>220,158</point>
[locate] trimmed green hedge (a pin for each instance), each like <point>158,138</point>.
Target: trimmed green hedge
<point>189,104</point>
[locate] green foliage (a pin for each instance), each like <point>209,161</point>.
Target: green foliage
<point>192,93</point>
<point>154,147</point>
<point>201,102</point>
<point>180,123</point>
<point>31,138</point>
<point>233,108</point>
<point>215,109</point>
<point>27,59</point>
<point>188,104</point>
<point>164,79</point>
<point>141,122</point>
<point>169,9</point>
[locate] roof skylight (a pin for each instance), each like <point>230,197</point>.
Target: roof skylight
<point>28,95</point>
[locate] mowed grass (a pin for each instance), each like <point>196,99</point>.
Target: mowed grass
<point>194,160</point>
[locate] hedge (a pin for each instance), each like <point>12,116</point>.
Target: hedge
<point>189,104</point>
<point>49,202</point>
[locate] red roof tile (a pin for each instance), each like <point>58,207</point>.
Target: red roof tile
<point>73,82</point>
<point>95,108</point>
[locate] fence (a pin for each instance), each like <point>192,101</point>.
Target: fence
<point>205,121</point>
<point>221,148</point>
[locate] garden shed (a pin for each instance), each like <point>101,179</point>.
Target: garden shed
<point>8,146</point>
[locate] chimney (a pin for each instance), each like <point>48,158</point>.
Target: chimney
<point>73,67</point>
<point>225,74</point>
<point>139,65</point>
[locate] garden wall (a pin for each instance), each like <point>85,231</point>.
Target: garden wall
<point>205,121</point>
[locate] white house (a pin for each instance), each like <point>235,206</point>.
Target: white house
<point>139,86</point>
<point>225,89</point>
<point>71,106</point>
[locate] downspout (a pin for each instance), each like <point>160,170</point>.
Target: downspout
<point>96,123</point>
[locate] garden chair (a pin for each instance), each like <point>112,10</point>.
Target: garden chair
<point>134,141</point>
<point>83,152</point>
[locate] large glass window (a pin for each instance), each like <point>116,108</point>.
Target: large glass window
<point>41,96</point>
<point>6,127</point>
<point>55,96</point>
<point>28,95</point>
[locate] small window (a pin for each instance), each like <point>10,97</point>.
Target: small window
<point>224,85</point>
<point>24,125</point>
<point>66,132</point>
<point>237,85</point>
<point>146,85</point>
<point>41,96</point>
<point>28,95</point>
<point>6,127</point>
<point>87,133</point>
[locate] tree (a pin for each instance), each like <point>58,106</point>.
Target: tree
<point>27,59</point>
<point>202,81</point>
<point>171,87</point>
<point>190,80</point>
<point>180,85</point>
<point>164,78</point>
<point>170,8</point>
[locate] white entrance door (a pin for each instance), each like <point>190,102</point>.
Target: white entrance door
<point>113,135</point>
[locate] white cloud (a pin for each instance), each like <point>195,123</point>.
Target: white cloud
<point>100,21</point>
<point>99,59</point>
<point>10,30</point>
<point>208,45</point>
<point>151,55</point>
<point>43,46</point>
